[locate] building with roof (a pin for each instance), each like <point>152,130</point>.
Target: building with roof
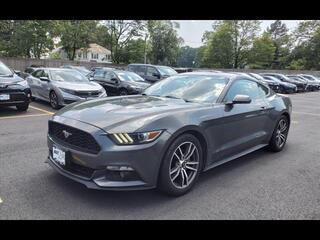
<point>94,53</point>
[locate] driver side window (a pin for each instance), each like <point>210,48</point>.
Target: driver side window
<point>243,87</point>
<point>37,73</point>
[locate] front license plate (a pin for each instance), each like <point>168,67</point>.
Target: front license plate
<point>4,97</point>
<point>59,156</point>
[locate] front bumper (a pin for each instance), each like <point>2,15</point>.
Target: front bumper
<point>67,98</point>
<point>91,169</point>
<point>16,97</point>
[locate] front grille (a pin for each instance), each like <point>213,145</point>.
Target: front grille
<point>77,138</point>
<point>86,94</point>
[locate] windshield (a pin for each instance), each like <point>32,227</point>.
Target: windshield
<point>129,76</point>
<point>4,70</point>
<point>166,70</point>
<point>197,88</point>
<point>83,70</point>
<point>68,76</point>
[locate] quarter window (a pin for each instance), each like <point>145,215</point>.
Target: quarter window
<point>243,87</point>
<point>141,70</point>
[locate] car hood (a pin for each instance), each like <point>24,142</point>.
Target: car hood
<point>87,86</point>
<point>127,113</point>
<point>10,80</point>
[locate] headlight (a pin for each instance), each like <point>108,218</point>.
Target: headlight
<point>135,138</point>
<point>67,91</point>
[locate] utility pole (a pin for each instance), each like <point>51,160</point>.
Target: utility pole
<point>145,49</point>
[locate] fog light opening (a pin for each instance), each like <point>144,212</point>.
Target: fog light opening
<point>119,168</point>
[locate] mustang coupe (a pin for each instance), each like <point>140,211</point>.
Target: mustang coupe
<point>169,134</point>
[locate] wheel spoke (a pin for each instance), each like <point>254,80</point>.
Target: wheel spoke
<point>175,176</point>
<point>192,163</point>
<point>186,176</point>
<point>174,170</point>
<point>181,154</point>
<point>191,168</point>
<point>176,155</point>
<point>190,152</point>
<point>182,178</point>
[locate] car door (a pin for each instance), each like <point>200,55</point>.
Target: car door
<point>34,82</point>
<point>110,82</point>
<point>45,85</point>
<point>152,74</point>
<point>244,124</point>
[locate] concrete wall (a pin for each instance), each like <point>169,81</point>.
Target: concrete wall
<point>286,72</point>
<point>22,63</point>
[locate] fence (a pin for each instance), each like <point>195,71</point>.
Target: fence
<point>22,63</point>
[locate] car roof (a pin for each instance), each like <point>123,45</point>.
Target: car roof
<point>55,69</point>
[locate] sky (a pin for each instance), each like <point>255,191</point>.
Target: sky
<point>192,30</point>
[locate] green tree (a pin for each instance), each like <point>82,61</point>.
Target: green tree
<point>164,42</point>
<point>229,43</point>
<point>133,52</point>
<point>75,34</point>
<point>281,39</point>
<point>26,38</point>
<point>119,33</point>
<point>218,51</point>
<point>187,57</point>
<point>261,54</point>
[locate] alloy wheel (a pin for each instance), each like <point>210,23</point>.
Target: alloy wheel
<point>54,100</point>
<point>184,165</point>
<point>281,134</point>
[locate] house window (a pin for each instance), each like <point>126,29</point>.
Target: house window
<point>94,55</point>
<point>84,55</point>
<point>79,55</point>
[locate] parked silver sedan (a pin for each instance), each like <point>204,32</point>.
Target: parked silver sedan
<point>62,86</point>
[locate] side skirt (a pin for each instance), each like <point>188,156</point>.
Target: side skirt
<point>215,164</point>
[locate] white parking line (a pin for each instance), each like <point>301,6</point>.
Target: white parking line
<point>311,114</point>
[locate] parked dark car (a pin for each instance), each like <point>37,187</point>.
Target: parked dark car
<point>61,86</point>
<point>151,73</point>
<point>14,90</point>
<point>310,86</point>
<point>275,86</point>
<point>165,137</point>
<point>284,87</point>
<point>284,78</point>
<point>305,86</point>
<point>118,82</point>
<point>315,81</point>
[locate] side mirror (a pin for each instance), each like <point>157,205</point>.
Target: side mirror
<point>240,99</point>
<point>17,72</point>
<point>157,75</point>
<point>115,80</point>
<point>45,79</point>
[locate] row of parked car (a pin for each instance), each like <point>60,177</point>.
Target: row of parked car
<point>68,84</point>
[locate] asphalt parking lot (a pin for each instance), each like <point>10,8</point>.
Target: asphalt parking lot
<point>261,185</point>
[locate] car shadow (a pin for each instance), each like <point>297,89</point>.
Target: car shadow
<point>58,191</point>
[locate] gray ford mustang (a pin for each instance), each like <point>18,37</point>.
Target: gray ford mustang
<point>167,136</point>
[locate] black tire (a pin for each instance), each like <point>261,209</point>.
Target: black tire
<point>22,107</point>
<point>165,184</point>
<point>54,102</point>
<point>274,145</point>
<point>123,92</point>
